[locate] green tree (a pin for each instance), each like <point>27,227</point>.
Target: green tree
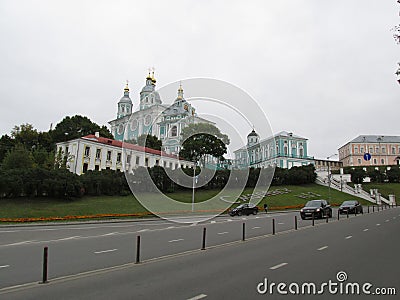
<point>26,135</point>
<point>149,141</point>
<point>393,174</point>
<point>201,140</point>
<point>75,127</point>
<point>357,174</point>
<point>6,144</point>
<point>18,158</point>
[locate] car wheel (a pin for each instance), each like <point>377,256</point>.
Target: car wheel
<point>239,213</point>
<point>255,212</point>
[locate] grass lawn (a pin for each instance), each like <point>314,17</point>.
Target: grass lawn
<point>288,196</point>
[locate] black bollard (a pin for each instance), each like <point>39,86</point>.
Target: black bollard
<point>338,215</point>
<point>313,219</point>
<point>137,249</point>
<point>244,231</point>
<point>203,247</point>
<point>295,222</point>
<point>368,208</point>
<point>45,264</point>
<point>273,226</point>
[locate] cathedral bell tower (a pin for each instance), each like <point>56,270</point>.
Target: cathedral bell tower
<point>125,104</point>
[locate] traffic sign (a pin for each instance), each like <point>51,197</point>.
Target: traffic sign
<point>367,156</point>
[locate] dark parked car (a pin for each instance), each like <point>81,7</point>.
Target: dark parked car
<point>318,208</point>
<point>244,209</point>
<point>351,207</point>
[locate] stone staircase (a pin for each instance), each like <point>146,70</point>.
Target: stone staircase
<point>356,192</point>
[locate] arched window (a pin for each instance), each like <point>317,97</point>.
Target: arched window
<point>174,131</point>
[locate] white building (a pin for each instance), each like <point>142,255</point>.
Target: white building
<point>93,152</point>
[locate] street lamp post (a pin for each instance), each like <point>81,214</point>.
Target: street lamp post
<point>329,176</point>
<point>194,183</point>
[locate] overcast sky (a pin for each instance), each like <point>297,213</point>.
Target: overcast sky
<point>320,69</point>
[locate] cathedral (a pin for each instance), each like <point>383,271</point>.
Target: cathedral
<point>153,117</point>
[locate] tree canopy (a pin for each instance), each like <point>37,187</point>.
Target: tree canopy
<point>75,127</point>
<point>149,141</point>
<point>203,139</point>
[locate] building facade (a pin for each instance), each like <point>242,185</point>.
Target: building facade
<point>371,150</point>
<point>284,150</point>
<point>153,117</point>
<point>93,152</point>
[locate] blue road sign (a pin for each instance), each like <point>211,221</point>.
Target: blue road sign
<point>367,156</point>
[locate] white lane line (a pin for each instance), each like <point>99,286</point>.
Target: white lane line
<point>322,248</point>
<point>378,224</point>
<point>105,251</point>
<point>213,222</point>
<point>108,234</point>
<point>257,217</point>
<point>143,230</point>
<point>170,227</point>
<point>225,232</point>
<point>281,223</point>
<point>198,297</point>
<point>229,220</point>
<point>366,229</point>
<point>173,241</point>
<point>5,266</point>
<point>19,243</point>
<point>349,237</point>
<point>278,266</point>
<point>256,227</point>
<point>244,218</point>
<point>69,238</point>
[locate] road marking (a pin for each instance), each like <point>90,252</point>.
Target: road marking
<point>213,222</point>
<point>366,229</point>
<point>257,217</point>
<point>201,296</point>
<point>143,230</point>
<point>387,220</point>
<point>225,232</point>
<point>281,223</point>
<point>256,227</point>
<point>349,237</point>
<point>170,227</point>
<point>322,248</point>
<point>5,266</point>
<point>69,238</point>
<point>378,224</point>
<point>108,234</point>
<point>105,251</point>
<point>278,266</point>
<point>244,218</point>
<point>173,241</point>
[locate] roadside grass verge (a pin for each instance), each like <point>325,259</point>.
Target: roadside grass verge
<point>279,197</point>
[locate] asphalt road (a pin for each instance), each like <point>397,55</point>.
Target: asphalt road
<point>173,267</point>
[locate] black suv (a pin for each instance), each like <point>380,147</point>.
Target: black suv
<point>351,206</point>
<point>318,208</point>
<point>244,209</point>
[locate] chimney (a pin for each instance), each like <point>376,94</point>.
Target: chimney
<point>97,134</point>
